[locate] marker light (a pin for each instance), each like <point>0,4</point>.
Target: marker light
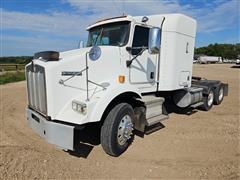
<point>144,19</point>
<point>121,79</point>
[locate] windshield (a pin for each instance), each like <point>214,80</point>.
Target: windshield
<point>112,34</point>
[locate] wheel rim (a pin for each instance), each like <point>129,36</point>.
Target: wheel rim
<point>210,98</point>
<point>124,130</point>
<point>220,97</point>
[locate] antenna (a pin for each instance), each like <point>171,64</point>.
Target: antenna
<point>123,7</point>
<point>116,7</point>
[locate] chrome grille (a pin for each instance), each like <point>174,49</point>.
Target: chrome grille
<point>36,87</point>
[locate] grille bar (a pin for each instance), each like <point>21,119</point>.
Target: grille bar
<point>36,87</point>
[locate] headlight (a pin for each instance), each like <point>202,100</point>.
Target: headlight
<point>95,53</point>
<point>79,107</point>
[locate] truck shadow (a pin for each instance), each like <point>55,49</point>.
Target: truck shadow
<point>235,66</point>
<point>89,137</point>
<point>170,107</point>
<point>85,140</point>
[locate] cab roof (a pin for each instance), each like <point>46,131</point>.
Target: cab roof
<point>173,22</point>
<point>111,20</point>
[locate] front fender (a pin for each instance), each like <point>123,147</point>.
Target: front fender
<point>96,106</point>
<point>107,97</point>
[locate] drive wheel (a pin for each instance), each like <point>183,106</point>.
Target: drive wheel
<point>218,96</point>
<point>116,132</point>
<point>208,101</point>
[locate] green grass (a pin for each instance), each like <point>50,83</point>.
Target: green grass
<point>12,77</point>
<point>12,68</point>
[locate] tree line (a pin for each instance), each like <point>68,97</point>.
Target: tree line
<point>16,60</point>
<point>227,51</point>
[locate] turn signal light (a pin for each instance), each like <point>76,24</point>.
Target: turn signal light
<point>121,79</point>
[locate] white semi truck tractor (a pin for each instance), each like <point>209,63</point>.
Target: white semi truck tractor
<point>123,78</point>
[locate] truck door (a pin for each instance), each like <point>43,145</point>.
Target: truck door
<point>143,69</point>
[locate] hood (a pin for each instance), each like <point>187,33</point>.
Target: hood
<point>74,52</point>
<point>102,70</point>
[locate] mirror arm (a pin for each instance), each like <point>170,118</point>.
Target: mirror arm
<point>129,62</point>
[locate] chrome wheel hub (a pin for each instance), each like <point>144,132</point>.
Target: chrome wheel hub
<point>125,129</point>
<point>210,98</point>
<point>220,94</point>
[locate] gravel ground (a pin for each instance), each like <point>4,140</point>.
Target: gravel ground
<point>203,145</point>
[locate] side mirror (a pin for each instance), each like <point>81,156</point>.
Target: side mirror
<point>154,41</point>
<point>81,44</point>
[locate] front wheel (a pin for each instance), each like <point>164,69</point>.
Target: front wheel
<point>116,132</point>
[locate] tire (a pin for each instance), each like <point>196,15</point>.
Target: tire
<point>118,121</point>
<point>219,95</point>
<point>208,101</point>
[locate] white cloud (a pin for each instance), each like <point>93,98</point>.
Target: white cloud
<point>17,45</point>
<point>72,23</point>
<point>221,15</point>
<point>65,24</point>
<point>57,23</point>
<point>132,7</point>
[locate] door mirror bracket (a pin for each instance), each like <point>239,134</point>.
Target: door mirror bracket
<point>129,62</point>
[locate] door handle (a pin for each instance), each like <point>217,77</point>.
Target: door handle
<point>151,75</point>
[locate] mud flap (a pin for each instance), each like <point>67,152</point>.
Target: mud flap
<point>225,89</point>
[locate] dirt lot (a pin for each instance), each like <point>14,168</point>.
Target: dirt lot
<point>204,145</point>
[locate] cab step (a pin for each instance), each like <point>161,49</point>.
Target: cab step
<point>154,124</point>
<point>156,119</point>
<point>153,105</point>
<point>153,128</point>
<point>150,116</point>
<point>197,105</point>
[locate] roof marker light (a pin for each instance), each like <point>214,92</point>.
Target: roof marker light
<point>144,19</point>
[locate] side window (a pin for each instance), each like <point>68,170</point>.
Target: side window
<point>140,38</point>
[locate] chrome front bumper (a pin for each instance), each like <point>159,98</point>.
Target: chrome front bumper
<point>61,135</point>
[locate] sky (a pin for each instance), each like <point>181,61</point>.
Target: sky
<point>29,26</point>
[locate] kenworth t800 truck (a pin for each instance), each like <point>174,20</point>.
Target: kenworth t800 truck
<point>122,78</point>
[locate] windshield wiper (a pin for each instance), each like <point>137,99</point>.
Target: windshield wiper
<point>99,35</point>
